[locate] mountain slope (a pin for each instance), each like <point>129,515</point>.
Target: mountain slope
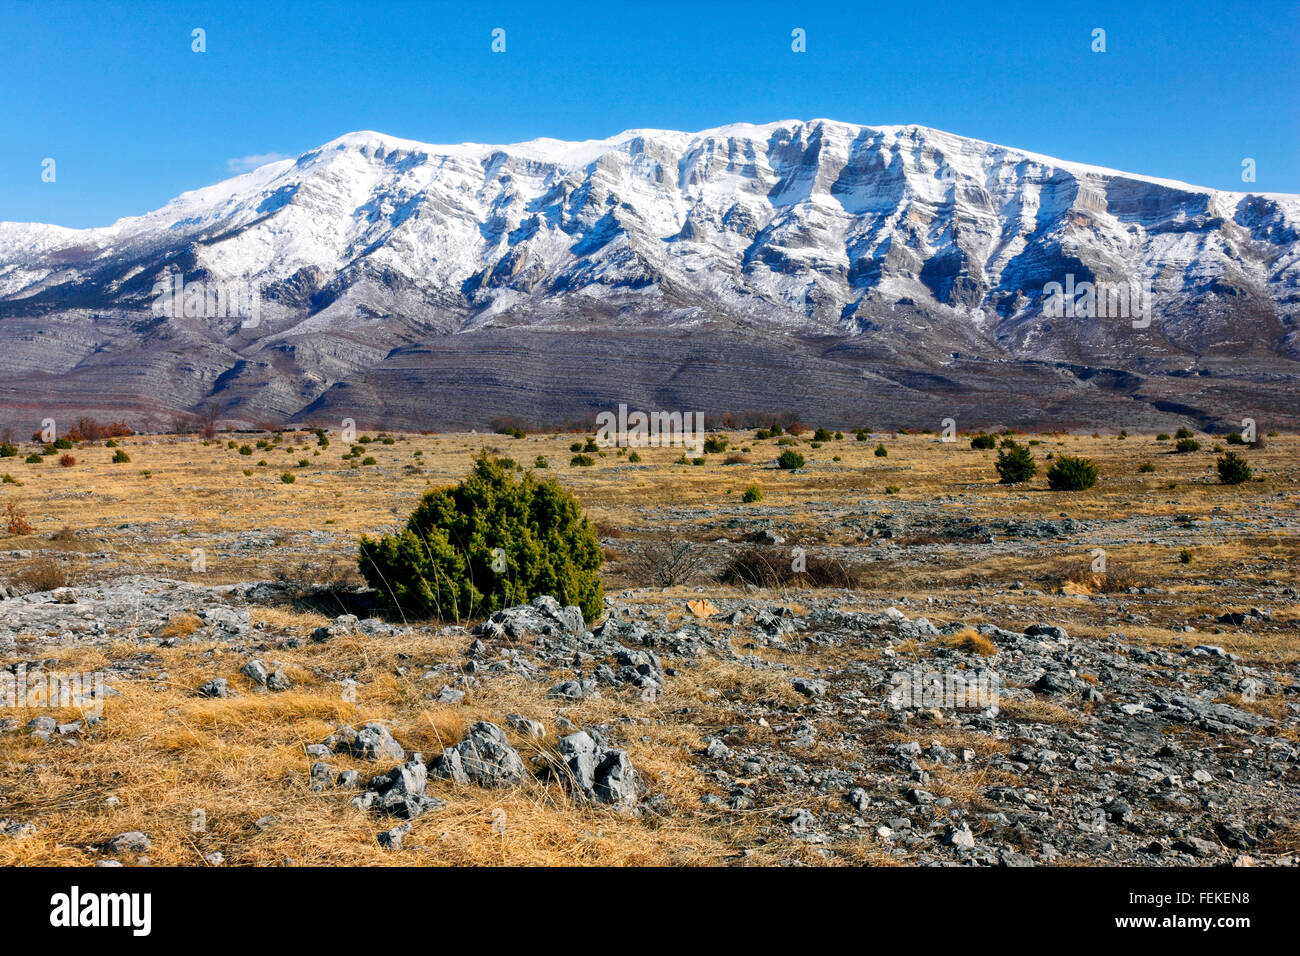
<point>923,258</point>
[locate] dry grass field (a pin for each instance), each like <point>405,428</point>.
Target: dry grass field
<point>202,776</point>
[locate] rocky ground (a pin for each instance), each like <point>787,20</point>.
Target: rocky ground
<point>265,721</point>
<point>1095,750</point>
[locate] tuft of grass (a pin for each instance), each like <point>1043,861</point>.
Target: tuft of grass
<point>972,642</point>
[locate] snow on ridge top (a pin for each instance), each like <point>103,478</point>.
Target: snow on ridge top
<point>575,154</point>
<point>211,202</point>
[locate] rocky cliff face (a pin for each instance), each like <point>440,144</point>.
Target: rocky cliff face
<point>848,271</point>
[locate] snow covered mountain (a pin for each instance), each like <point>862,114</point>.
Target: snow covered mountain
<point>840,270</point>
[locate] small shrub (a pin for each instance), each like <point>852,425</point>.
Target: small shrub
<point>1233,469</point>
<point>368,460</point>
<point>581,461</point>
<point>1163,436</point>
<point>120,457</point>
<point>34,459</point>
<point>246,450</point>
<point>892,489</point>
<point>823,435</point>
<point>541,462</point>
<point>752,494</point>
<point>1184,433</point>
<point>446,562</point>
<point>9,479</point>
<point>1234,438</point>
<point>1185,445</point>
<point>634,458</point>
<point>1187,556</point>
<point>67,461</point>
<point>790,460</point>
<point>17,523</point>
<point>288,477</point>
<point>8,451</point>
<point>576,446</point>
<point>881,451</point>
<point>713,446</point>
<point>1071,474</point>
<point>984,442</point>
<point>1146,468</point>
<point>1015,463</point>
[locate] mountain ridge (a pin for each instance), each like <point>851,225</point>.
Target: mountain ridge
<point>931,247</point>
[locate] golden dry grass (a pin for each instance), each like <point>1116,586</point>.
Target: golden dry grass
<point>164,752</point>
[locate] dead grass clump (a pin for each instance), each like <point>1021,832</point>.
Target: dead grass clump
<point>182,625</point>
<point>39,574</point>
<point>607,529</point>
<point>1037,711</point>
<point>1116,579</point>
<point>307,578</point>
<point>972,642</point>
<point>773,568</point>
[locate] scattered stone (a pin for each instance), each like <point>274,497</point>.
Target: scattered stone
<point>133,841</point>
<point>217,687</point>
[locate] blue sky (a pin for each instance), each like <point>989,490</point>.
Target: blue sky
<point>113,93</point>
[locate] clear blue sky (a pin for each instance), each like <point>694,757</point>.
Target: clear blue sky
<point>112,92</point>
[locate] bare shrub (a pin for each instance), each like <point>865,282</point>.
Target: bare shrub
<point>774,567</point>
<point>665,561</point>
